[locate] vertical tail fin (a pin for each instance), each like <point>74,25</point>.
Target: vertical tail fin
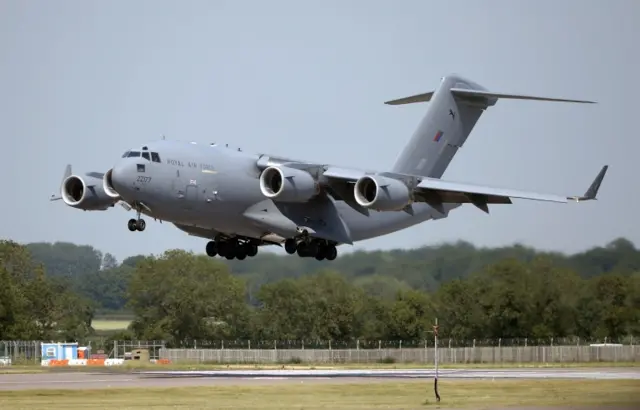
<point>454,109</point>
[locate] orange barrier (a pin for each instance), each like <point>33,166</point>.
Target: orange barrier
<point>56,362</point>
<point>163,361</point>
<point>95,362</point>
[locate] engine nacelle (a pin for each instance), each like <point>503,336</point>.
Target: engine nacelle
<point>381,193</point>
<point>285,184</point>
<point>107,186</point>
<point>85,193</point>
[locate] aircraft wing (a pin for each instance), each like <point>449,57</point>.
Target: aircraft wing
<point>436,192</point>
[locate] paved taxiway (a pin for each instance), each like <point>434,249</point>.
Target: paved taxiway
<point>100,380</point>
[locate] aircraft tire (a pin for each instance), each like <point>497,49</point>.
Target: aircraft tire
<point>302,249</point>
<point>290,246</point>
<point>331,252</point>
<point>252,250</point>
<point>132,225</point>
<point>141,225</point>
<point>241,252</point>
<point>211,249</point>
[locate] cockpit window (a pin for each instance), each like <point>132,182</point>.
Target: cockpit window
<point>125,154</point>
<point>133,154</point>
<point>145,155</point>
<point>155,157</point>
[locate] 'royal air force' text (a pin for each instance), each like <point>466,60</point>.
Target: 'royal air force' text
<point>178,163</point>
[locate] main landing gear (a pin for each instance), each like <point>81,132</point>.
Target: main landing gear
<point>232,249</point>
<point>306,248</point>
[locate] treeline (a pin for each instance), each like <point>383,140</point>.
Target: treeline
<point>35,306</point>
<point>102,279</point>
<point>477,294</point>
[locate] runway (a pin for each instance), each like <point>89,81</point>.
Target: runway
<point>164,379</point>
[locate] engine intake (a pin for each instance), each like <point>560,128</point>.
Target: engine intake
<point>381,193</point>
<point>288,184</point>
<point>107,185</point>
<point>85,193</point>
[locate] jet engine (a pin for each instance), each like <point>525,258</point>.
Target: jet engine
<point>285,184</point>
<point>381,193</point>
<point>107,186</point>
<point>85,193</point>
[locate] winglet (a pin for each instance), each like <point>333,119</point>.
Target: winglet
<point>67,174</point>
<point>592,192</point>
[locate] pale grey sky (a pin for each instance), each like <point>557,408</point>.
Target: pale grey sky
<point>83,81</point>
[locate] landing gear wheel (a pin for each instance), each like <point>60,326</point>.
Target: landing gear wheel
<point>290,246</point>
<point>252,250</point>
<point>211,249</point>
<point>141,224</point>
<point>331,252</point>
<point>223,248</point>
<point>321,251</point>
<point>302,249</point>
<point>132,225</point>
<point>241,253</point>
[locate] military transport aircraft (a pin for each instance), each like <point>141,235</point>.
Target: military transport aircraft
<point>240,201</point>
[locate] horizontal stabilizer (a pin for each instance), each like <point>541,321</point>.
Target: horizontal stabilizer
<point>461,92</point>
<point>485,97</point>
<point>424,97</point>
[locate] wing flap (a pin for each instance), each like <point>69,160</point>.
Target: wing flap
<point>345,174</point>
<point>456,192</point>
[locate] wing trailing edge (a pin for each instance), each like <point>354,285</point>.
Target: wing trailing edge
<point>437,192</point>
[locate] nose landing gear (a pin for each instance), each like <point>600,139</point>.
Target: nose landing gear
<point>136,224</point>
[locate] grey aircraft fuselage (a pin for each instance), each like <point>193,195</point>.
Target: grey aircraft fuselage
<point>212,187</point>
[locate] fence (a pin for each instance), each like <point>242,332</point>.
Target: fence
<point>20,352</point>
<point>450,351</point>
<point>446,355</point>
<point>30,352</point>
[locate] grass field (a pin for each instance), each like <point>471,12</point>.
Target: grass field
<point>375,395</point>
<point>101,324</point>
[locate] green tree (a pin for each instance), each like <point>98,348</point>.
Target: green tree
<point>179,296</point>
<point>33,305</point>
